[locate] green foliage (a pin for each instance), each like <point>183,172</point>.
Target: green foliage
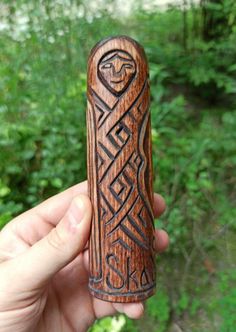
<point>158,308</point>
<point>226,302</point>
<point>182,303</point>
<point>193,86</point>
<point>206,66</point>
<point>7,209</point>
<point>114,324</point>
<point>104,325</point>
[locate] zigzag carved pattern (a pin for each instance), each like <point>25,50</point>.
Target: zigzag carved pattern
<point>124,220</point>
<point>118,185</point>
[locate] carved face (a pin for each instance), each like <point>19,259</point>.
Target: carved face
<point>116,70</point>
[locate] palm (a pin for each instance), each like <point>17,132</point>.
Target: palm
<point>69,294</point>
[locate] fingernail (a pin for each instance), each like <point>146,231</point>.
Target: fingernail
<point>76,212</point>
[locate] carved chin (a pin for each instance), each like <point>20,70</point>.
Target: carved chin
<point>118,87</point>
<point>114,87</point>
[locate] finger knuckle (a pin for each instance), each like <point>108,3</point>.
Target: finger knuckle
<point>55,240</point>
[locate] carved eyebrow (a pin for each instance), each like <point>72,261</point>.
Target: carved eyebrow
<point>125,59</point>
<point>109,57</point>
<point>116,55</point>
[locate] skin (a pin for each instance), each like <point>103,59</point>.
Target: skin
<point>44,267</point>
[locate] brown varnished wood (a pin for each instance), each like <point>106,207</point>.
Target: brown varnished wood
<point>121,255</point>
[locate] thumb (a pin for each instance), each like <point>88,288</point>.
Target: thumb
<point>64,242</point>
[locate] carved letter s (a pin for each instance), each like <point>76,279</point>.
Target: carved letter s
<point>109,257</point>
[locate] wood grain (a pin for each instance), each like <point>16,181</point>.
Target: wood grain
<point>121,254</point>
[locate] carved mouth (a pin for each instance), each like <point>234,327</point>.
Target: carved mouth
<point>116,82</point>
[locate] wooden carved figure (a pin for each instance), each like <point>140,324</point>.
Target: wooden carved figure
<point>121,254</point>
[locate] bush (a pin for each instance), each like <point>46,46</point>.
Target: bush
<point>43,137</point>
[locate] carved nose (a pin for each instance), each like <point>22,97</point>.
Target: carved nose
<point>117,70</point>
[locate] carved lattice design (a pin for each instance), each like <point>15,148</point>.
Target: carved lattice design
<point>120,172</point>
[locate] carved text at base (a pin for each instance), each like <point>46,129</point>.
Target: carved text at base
<point>122,266</point>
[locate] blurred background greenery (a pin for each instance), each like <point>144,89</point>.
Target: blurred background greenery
<point>191,48</point>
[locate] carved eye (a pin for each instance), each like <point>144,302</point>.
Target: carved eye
<point>107,65</point>
<point>127,65</point>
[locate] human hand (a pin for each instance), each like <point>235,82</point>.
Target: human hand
<point>44,267</point>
